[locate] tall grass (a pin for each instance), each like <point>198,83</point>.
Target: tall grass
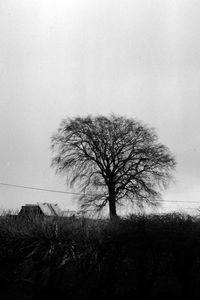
<point>141,257</point>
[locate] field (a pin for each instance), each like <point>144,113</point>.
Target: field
<point>141,257</point>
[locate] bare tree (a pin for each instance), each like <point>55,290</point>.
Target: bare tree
<point>112,159</point>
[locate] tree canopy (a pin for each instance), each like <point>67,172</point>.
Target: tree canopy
<point>112,159</point>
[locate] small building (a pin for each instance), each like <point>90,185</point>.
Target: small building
<point>69,213</point>
<point>45,209</point>
<point>41,209</point>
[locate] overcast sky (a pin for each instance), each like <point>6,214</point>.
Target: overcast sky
<point>59,58</point>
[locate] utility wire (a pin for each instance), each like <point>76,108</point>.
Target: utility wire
<point>40,189</point>
<point>80,194</point>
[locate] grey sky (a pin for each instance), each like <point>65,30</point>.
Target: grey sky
<point>63,58</point>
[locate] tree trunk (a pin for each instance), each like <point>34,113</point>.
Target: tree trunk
<point>112,209</point>
<point>112,203</point>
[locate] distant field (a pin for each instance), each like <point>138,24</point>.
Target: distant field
<point>141,257</point>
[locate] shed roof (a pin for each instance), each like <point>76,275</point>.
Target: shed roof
<point>50,209</point>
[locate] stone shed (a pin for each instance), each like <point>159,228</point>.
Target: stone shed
<point>43,209</point>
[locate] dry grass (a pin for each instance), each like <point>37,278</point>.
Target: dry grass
<point>87,259</point>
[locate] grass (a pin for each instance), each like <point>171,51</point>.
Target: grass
<point>141,257</point>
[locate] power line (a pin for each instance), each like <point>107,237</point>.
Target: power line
<point>178,201</point>
<point>80,194</point>
<point>39,189</point>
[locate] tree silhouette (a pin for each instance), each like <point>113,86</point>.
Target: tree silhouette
<point>111,159</point>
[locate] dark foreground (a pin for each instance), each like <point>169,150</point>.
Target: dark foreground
<point>143,257</point>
